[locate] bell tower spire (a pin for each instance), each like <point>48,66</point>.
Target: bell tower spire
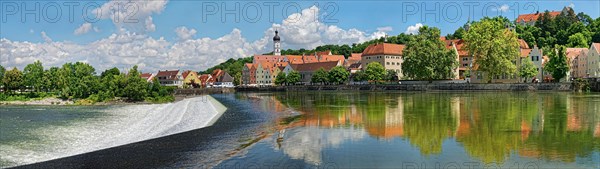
<point>276,44</point>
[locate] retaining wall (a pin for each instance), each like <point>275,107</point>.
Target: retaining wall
<point>421,87</point>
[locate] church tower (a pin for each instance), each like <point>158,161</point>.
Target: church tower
<point>276,44</point>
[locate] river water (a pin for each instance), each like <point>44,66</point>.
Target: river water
<point>339,130</point>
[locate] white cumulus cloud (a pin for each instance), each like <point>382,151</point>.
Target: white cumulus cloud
<point>414,29</point>
<point>183,33</point>
<point>120,12</point>
<point>385,29</point>
<point>84,28</point>
<point>127,47</point>
<point>502,8</point>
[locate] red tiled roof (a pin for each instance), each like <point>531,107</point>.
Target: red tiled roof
<point>525,52</point>
<point>314,66</point>
<point>186,73</point>
<point>169,74</point>
<point>355,56</point>
<point>383,49</point>
<point>573,52</point>
<point>309,59</point>
<point>327,58</point>
<point>459,46</point>
<point>217,73</point>
<point>267,58</point>
<point>534,17</point>
<point>205,78</point>
<point>523,44</point>
<point>249,65</point>
<point>294,59</point>
<point>597,46</point>
<point>146,75</point>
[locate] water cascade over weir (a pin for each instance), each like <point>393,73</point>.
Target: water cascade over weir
<point>117,126</point>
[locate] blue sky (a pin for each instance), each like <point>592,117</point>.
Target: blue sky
<point>180,34</point>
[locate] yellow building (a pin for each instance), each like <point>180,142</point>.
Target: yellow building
<point>190,77</point>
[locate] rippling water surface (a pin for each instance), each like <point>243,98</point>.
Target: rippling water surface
<point>329,130</point>
<point>431,130</point>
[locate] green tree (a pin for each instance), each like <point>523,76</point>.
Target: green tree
<point>493,46</point>
<point>427,58</point>
<point>110,72</point>
<point>2,71</point>
<point>13,79</point>
<point>281,78</point>
<point>375,72</point>
<point>458,34</point>
<point>293,77</point>
<point>390,76</point>
<point>237,78</point>
<point>32,75</point>
<point>527,70</point>
<point>359,76</point>
<point>49,79</point>
<point>136,88</point>
<point>557,65</point>
<point>77,81</point>
<point>577,40</point>
<point>319,76</point>
<point>338,75</point>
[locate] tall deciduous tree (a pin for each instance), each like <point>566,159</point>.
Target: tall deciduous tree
<point>281,78</point>
<point>390,76</point>
<point>375,72</point>
<point>293,77</point>
<point>557,65</point>
<point>49,79</point>
<point>338,75</point>
<point>2,71</point>
<point>32,75</point>
<point>427,58</point>
<point>527,69</point>
<point>136,88</point>
<point>13,79</point>
<point>577,40</point>
<point>493,46</point>
<point>319,76</point>
<point>359,76</point>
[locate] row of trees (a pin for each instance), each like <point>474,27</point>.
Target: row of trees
<point>79,81</point>
<point>566,29</point>
<point>287,79</point>
<point>337,75</point>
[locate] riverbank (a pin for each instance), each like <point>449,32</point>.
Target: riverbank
<point>420,87</point>
<point>44,101</point>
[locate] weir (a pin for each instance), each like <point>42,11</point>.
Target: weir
<point>117,126</point>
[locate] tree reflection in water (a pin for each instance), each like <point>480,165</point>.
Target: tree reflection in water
<point>489,126</point>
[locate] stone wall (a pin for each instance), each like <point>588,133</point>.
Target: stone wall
<point>423,87</point>
<point>181,94</point>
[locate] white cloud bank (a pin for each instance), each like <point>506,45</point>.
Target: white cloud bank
<point>414,29</point>
<point>85,28</point>
<point>127,47</point>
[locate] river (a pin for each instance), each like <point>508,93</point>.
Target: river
<point>345,130</point>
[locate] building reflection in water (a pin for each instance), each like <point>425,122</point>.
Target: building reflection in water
<point>489,126</point>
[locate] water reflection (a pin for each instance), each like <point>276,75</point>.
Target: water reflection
<point>489,127</point>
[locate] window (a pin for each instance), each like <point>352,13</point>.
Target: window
<point>387,63</point>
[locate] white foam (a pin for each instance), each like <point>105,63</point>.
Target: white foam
<point>123,125</point>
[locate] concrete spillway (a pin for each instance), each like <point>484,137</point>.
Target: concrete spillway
<point>116,126</point>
